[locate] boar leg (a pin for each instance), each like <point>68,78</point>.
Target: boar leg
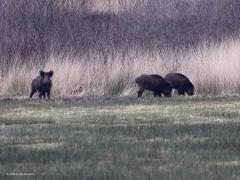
<point>155,93</point>
<point>48,94</point>
<point>140,92</point>
<point>32,92</point>
<point>181,92</point>
<point>44,95</point>
<point>40,95</point>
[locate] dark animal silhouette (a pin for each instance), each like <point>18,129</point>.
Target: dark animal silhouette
<point>42,84</point>
<point>154,83</point>
<point>181,83</point>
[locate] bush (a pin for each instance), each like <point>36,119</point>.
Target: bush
<point>102,47</point>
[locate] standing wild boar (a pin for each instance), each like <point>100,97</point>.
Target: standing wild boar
<point>154,83</point>
<point>181,83</point>
<point>42,84</point>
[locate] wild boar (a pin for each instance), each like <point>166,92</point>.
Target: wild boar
<point>42,84</point>
<point>181,83</point>
<point>154,83</point>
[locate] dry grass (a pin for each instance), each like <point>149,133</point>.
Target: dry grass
<point>213,70</point>
<point>100,47</point>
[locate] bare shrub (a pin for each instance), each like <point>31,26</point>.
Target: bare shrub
<point>31,28</point>
<point>99,47</point>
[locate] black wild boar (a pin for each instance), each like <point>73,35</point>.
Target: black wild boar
<point>42,84</point>
<point>154,83</point>
<point>181,83</point>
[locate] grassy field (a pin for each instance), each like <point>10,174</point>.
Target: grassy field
<point>120,138</point>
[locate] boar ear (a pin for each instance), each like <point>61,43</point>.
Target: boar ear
<point>41,72</point>
<point>50,74</point>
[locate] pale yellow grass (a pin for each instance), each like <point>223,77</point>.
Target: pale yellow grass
<point>212,69</point>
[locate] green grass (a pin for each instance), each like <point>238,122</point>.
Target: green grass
<point>121,138</point>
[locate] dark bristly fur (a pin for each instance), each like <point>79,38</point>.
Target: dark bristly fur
<point>42,84</point>
<point>154,83</point>
<point>181,83</point>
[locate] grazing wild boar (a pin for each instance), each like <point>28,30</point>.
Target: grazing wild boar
<point>42,84</point>
<point>154,83</point>
<point>181,83</point>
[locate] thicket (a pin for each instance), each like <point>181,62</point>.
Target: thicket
<point>32,28</point>
<point>33,32</point>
